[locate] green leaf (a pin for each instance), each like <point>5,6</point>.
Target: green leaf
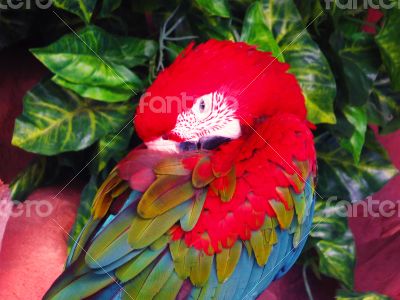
<point>131,51</point>
<point>214,7</point>
<point>113,146</point>
<point>359,60</point>
<point>330,220</point>
<point>347,17</point>
<point>388,41</point>
<point>28,180</point>
<point>310,12</point>
<point>305,58</point>
<point>84,210</point>
<point>96,64</point>
<point>56,120</point>
<point>333,241</point>
<point>82,8</point>
<point>357,116</point>
<point>208,27</point>
<point>108,7</point>
<point>351,295</point>
<point>106,94</point>
<point>339,176</point>
<point>173,50</point>
<point>384,106</point>
<point>256,32</point>
<point>336,260</point>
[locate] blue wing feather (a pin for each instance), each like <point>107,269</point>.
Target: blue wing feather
<point>283,255</point>
<point>248,280</point>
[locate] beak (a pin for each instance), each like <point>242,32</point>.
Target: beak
<point>212,142</point>
<point>204,143</point>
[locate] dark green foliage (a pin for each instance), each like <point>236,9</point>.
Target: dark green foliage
<point>103,54</point>
<point>347,295</point>
<point>28,180</point>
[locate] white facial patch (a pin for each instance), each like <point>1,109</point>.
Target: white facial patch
<point>163,145</point>
<point>211,115</point>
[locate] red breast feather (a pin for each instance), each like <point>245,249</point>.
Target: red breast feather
<point>280,155</point>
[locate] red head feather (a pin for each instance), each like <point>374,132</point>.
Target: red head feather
<point>259,83</point>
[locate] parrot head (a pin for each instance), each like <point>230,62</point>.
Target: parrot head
<point>210,95</point>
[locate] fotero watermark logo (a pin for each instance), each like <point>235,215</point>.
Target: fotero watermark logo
<point>204,104</point>
<point>369,207</point>
<point>365,4</point>
<point>25,4</point>
<point>168,104</point>
<point>27,209</point>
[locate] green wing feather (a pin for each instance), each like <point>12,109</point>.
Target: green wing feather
<point>132,268</point>
<point>179,251</point>
<point>137,246</point>
<point>167,192</point>
<point>189,220</point>
<point>200,266</point>
<point>143,232</point>
<point>227,260</point>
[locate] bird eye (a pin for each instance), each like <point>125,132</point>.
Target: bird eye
<point>202,106</point>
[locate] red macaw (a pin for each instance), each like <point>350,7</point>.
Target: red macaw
<point>218,201</point>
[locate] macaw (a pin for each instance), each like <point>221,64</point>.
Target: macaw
<point>218,200</point>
